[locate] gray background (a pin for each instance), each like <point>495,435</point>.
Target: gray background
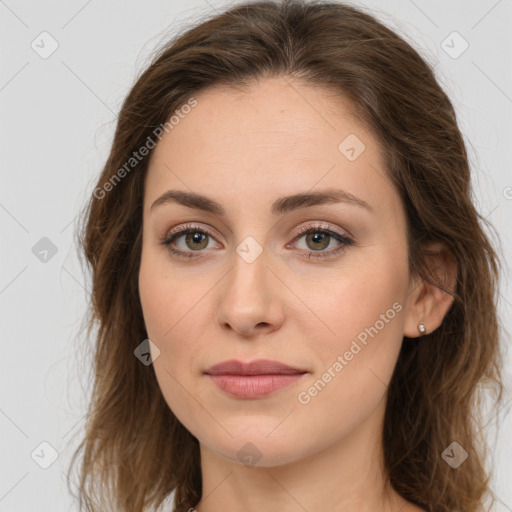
<point>57,120</point>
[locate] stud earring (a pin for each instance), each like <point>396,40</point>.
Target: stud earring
<point>421,329</point>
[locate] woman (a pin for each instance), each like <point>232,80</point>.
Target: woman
<point>294,294</point>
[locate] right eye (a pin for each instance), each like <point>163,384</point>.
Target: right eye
<point>195,238</point>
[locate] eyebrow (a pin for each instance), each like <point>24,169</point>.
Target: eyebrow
<point>280,206</point>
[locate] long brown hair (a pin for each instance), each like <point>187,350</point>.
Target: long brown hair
<point>135,451</point>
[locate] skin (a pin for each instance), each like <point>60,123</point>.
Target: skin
<point>244,150</point>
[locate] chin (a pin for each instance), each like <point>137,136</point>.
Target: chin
<point>257,444</point>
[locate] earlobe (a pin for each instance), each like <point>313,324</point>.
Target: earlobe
<point>414,311</point>
<point>431,299</point>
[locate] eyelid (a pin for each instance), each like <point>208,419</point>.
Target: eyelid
<point>321,226</point>
<point>181,228</point>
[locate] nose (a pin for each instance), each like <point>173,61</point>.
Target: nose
<point>250,301</point>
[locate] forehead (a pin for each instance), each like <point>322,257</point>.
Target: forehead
<point>275,136</point>
<point>273,108</point>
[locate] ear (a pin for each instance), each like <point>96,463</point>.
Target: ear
<point>427,302</point>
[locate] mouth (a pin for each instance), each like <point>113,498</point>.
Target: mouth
<point>255,379</point>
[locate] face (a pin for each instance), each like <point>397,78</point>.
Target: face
<point>319,285</point>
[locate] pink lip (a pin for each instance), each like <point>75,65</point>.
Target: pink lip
<point>255,379</point>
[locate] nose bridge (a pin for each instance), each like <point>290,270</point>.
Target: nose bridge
<point>249,273</point>
<point>250,255</point>
<point>249,298</point>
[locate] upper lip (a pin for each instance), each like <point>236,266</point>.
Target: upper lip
<point>257,367</point>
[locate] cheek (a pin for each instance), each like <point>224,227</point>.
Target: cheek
<point>175,310</point>
<point>356,362</point>
<point>364,312</point>
<point>354,297</point>
<point>170,311</point>
<point>168,300</point>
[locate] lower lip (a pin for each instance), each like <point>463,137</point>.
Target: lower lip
<point>253,386</point>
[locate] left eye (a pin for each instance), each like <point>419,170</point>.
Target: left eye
<point>318,238</point>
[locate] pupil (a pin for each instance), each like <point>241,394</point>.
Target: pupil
<point>196,238</point>
<point>318,238</point>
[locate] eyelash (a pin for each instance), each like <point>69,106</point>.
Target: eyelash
<point>345,241</point>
